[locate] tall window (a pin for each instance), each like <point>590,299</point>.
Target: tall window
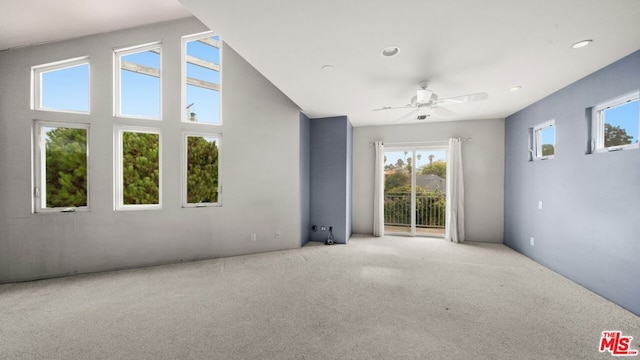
<point>61,86</point>
<point>544,140</point>
<point>201,78</point>
<point>201,182</point>
<point>138,82</point>
<point>616,123</point>
<point>138,183</point>
<point>61,175</point>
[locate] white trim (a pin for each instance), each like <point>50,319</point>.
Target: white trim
<point>36,83</point>
<point>39,166</point>
<point>597,123</point>
<point>183,76</point>
<point>117,84</point>
<point>118,172</point>
<point>184,160</point>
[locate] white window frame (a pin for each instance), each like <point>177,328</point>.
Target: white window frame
<point>118,173</point>
<point>536,150</point>
<point>183,80</point>
<point>218,136</point>
<point>597,126</point>
<point>117,83</point>
<point>36,82</point>
<point>39,194</point>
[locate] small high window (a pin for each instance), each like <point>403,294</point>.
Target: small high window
<point>544,141</point>
<point>615,124</point>
<point>61,176</point>
<point>138,82</point>
<point>138,168</point>
<point>61,86</point>
<point>201,178</point>
<point>201,78</point>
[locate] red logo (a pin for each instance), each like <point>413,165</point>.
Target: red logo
<point>617,344</point>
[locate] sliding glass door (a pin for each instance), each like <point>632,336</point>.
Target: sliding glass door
<point>415,191</point>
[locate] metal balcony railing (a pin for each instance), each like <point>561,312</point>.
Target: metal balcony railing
<point>430,210</point>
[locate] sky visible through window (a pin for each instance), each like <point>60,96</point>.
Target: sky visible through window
<point>206,102</point>
<point>548,135</point>
<point>392,157</point>
<point>68,88</point>
<point>140,93</point>
<point>626,117</point>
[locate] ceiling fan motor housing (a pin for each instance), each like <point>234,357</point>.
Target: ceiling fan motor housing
<point>423,96</point>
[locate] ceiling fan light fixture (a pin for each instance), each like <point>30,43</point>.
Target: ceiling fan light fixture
<point>423,96</point>
<point>390,51</point>
<point>582,43</point>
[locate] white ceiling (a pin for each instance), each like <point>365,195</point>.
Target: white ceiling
<point>28,22</point>
<point>462,46</point>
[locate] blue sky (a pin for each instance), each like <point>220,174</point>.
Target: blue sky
<point>548,135</point>
<point>68,88</point>
<point>625,116</point>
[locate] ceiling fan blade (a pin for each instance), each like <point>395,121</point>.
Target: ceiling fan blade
<point>407,116</point>
<point>464,98</point>
<point>394,107</point>
<point>440,111</point>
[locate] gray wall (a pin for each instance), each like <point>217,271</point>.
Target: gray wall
<point>483,166</point>
<point>305,178</point>
<point>260,168</point>
<point>588,229</point>
<point>329,178</point>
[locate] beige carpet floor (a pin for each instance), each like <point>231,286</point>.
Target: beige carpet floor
<point>375,298</point>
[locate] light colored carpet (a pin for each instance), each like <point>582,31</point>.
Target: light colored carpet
<point>375,298</point>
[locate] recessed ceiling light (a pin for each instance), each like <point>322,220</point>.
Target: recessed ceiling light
<point>582,43</point>
<point>515,88</point>
<point>327,68</point>
<point>390,51</point>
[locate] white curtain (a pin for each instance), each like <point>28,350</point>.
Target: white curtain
<point>378,190</point>
<point>455,193</point>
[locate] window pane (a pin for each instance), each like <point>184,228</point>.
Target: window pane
<point>202,169</point>
<point>65,167</point>
<point>140,84</point>
<point>65,89</point>
<point>547,137</point>
<point>140,168</point>
<point>202,88</point>
<point>621,124</point>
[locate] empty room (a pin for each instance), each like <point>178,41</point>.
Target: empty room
<point>208,179</point>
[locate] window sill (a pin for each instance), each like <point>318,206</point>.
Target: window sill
<point>68,210</point>
<point>203,205</point>
<point>616,149</point>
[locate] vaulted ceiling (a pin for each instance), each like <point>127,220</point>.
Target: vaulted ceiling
<point>460,46</point>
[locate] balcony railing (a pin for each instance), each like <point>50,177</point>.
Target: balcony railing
<point>430,210</point>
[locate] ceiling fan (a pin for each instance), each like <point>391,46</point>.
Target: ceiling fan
<point>426,103</point>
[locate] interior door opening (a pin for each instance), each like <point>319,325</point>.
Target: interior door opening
<point>415,189</point>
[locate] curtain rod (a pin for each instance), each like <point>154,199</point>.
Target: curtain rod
<point>422,142</point>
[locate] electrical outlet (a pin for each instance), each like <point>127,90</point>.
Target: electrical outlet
<point>323,228</point>
<point>253,237</point>
<point>278,234</point>
<point>540,205</point>
<point>532,241</point>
